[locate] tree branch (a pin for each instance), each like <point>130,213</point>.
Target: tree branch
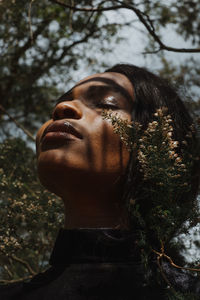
<point>150,28</point>
<point>8,271</point>
<point>23,262</point>
<point>18,124</point>
<point>30,22</point>
<point>162,273</point>
<point>4,281</point>
<point>87,9</point>
<point>67,48</point>
<point>162,254</point>
<point>43,67</point>
<point>20,260</point>
<point>147,23</point>
<point>83,40</point>
<point>29,42</point>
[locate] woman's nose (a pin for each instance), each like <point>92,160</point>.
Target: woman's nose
<point>67,109</point>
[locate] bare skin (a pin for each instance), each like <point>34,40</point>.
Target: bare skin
<point>80,158</point>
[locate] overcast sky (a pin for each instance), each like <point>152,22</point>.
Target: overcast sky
<point>130,50</point>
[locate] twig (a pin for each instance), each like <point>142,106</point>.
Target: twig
<point>8,271</point>
<point>147,23</point>
<point>25,263</point>
<point>20,260</point>
<point>179,267</point>
<point>162,273</point>
<point>4,281</point>
<point>152,52</point>
<point>150,28</point>
<point>30,22</point>
<point>71,15</point>
<point>17,123</point>
<point>163,254</point>
<point>82,40</point>
<point>86,9</point>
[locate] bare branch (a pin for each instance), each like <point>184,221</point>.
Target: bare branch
<point>162,254</point>
<point>20,260</point>
<point>23,262</point>
<point>71,15</point>
<point>17,123</point>
<point>82,40</point>
<point>44,67</point>
<point>150,28</point>
<point>21,50</point>
<point>143,18</point>
<point>152,52</point>
<point>162,272</point>
<point>87,9</point>
<point>30,23</point>
<point>8,271</point>
<point>15,280</point>
<point>88,20</point>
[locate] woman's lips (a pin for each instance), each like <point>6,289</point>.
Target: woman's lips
<point>59,131</point>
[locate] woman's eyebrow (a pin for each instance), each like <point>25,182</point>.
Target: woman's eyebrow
<point>110,85</point>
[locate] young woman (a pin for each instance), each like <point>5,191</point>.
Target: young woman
<point>81,159</point>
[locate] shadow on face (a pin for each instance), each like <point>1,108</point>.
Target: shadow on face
<point>78,146</point>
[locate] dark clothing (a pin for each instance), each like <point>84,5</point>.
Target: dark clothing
<point>98,264</point>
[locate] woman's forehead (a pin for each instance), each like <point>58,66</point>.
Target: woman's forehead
<point>114,81</point>
<point>117,79</point>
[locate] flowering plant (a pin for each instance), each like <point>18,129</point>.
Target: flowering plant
<point>165,166</point>
<point>29,214</point>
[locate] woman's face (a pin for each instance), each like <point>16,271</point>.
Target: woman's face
<point>77,144</point>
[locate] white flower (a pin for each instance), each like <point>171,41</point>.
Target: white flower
<point>169,134</point>
<point>178,159</point>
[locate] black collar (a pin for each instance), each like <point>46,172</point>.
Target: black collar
<point>94,245</point>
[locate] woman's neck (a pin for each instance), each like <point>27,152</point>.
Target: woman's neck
<point>94,209</point>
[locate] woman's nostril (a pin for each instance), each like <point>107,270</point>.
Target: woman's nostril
<point>55,115</point>
<point>64,110</point>
<point>70,113</point>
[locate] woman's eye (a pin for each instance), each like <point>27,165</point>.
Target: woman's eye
<point>107,105</point>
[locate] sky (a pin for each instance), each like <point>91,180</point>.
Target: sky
<point>132,47</point>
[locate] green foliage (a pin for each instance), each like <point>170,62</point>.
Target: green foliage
<point>29,215</point>
<point>40,45</point>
